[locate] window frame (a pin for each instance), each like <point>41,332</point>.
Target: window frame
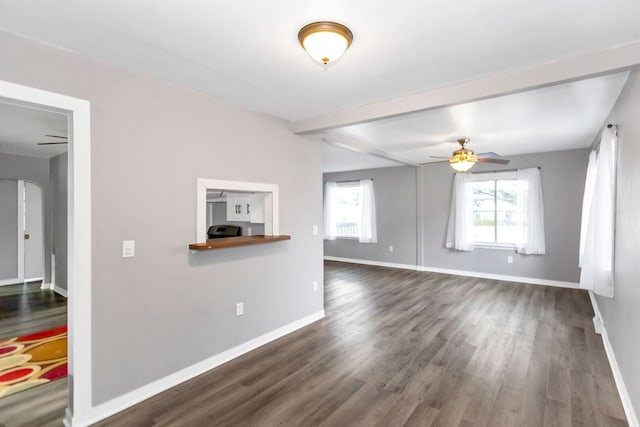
<point>347,184</point>
<point>495,177</point>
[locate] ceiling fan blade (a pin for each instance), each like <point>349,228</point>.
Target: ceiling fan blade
<point>52,143</point>
<point>57,136</point>
<point>491,160</point>
<point>489,154</point>
<point>440,157</point>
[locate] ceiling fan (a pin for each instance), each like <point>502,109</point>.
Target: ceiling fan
<point>463,159</point>
<point>54,142</point>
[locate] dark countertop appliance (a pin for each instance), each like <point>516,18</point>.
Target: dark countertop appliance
<point>223,230</point>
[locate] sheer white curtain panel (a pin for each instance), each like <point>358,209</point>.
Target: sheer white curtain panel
<point>530,205</point>
<point>597,234</point>
<point>460,216</point>
<point>330,219</point>
<point>368,230</point>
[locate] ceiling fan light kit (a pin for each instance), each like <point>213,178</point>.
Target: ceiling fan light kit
<point>325,41</point>
<point>463,159</point>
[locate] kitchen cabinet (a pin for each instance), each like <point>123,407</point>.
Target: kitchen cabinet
<point>245,207</point>
<point>237,207</point>
<point>255,207</point>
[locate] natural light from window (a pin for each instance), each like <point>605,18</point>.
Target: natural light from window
<point>495,213</point>
<point>347,210</point>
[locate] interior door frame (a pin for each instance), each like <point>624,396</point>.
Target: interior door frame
<point>79,410</point>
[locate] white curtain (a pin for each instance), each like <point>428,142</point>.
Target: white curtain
<point>531,212</point>
<point>460,216</point>
<point>589,186</point>
<point>367,229</point>
<point>598,228</point>
<point>330,219</point>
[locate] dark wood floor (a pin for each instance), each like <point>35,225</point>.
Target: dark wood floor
<point>25,309</point>
<point>404,348</point>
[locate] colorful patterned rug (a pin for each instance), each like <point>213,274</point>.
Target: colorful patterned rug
<point>32,360</point>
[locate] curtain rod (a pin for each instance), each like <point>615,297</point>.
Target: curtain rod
<point>503,170</point>
<point>349,181</point>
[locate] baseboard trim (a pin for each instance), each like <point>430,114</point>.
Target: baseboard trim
<point>47,285</point>
<point>131,398</point>
<point>59,290</point>
<point>480,275</point>
<point>503,277</point>
<point>369,262</point>
<point>632,417</point>
<point>7,282</point>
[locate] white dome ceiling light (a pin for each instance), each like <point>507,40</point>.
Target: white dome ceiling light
<point>325,41</point>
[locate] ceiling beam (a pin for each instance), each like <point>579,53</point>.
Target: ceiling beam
<point>356,145</point>
<point>619,58</point>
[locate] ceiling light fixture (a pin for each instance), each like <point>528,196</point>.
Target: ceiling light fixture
<point>325,41</point>
<point>463,159</point>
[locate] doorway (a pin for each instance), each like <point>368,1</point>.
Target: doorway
<point>77,114</point>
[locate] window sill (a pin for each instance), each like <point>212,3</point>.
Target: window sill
<point>494,246</point>
<point>343,238</point>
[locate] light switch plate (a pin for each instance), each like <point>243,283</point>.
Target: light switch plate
<point>240,309</point>
<point>128,248</point>
<point>315,230</point>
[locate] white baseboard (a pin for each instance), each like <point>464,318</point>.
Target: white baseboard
<point>632,417</point>
<point>33,279</point>
<point>59,290</point>
<point>502,277</point>
<point>368,262</point>
<point>131,398</point>
<point>47,285</point>
<point>6,282</point>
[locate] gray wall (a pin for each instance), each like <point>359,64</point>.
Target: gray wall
<point>621,314</point>
<point>150,142</point>
<point>395,193</point>
<point>563,174</point>
<point>58,171</point>
<point>36,170</point>
<point>8,229</point>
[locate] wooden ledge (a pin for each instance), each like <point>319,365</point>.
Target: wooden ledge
<point>229,242</point>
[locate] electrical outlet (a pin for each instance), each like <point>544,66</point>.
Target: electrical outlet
<point>510,259</point>
<point>239,309</point>
<point>390,248</point>
<point>315,286</point>
<point>315,230</point>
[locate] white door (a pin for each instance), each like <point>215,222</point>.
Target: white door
<point>33,233</point>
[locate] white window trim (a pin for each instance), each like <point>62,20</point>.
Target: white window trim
<point>494,176</point>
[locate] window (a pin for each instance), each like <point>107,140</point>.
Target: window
<point>349,211</point>
<point>502,209</point>
<point>496,217</point>
<point>346,209</point>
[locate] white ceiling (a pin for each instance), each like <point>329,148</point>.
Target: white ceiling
<point>247,52</point>
<point>560,117</point>
<point>22,128</point>
<point>337,159</point>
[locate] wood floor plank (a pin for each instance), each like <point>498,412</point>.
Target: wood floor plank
<point>407,348</point>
